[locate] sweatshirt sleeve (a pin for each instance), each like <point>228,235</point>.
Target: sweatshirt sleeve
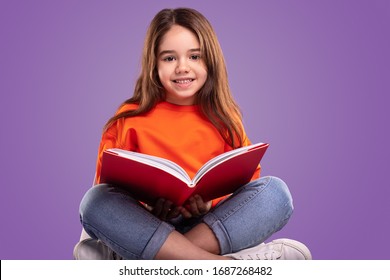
<point>108,141</point>
<point>119,135</point>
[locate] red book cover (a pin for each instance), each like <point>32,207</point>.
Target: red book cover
<point>148,178</point>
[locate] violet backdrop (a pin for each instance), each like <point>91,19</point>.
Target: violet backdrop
<point>312,78</point>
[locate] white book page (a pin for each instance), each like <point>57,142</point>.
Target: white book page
<point>163,164</point>
<point>220,159</point>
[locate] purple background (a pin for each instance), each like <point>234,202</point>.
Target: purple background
<point>312,78</point>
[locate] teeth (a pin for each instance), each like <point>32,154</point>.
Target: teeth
<point>183,81</point>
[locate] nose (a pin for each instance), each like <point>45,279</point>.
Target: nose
<point>182,66</point>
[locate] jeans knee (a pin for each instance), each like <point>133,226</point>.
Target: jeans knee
<point>283,195</point>
<point>252,214</point>
<point>278,193</point>
<point>92,198</point>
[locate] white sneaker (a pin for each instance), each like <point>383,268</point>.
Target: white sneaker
<point>92,249</point>
<point>279,249</point>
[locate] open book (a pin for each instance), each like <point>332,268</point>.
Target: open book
<point>148,177</point>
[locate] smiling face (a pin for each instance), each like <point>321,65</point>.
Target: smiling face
<point>180,66</point>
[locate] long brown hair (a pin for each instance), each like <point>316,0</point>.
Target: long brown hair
<point>214,98</point>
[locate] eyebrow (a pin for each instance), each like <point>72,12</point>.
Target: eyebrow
<point>172,51</point>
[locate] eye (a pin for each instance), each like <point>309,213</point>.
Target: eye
<point>169,58</point>
<point>195,57</point>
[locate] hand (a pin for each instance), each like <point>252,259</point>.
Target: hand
<point>195,207</point>
<point>165,210</point>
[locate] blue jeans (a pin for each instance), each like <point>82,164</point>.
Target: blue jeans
<point>246,218</point>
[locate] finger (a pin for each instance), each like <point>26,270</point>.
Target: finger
<point>165,210</point>
<point>150,208</point>
<point>158,207</point>
<point>208,205</point>
<point>185,213</point>
<point>194,207</point>
<point>203,207</point>
<point>174,213</point>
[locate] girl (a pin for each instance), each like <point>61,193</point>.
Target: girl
<point>182,109</point>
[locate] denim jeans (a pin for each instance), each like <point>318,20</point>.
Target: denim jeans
<point>246,218</point>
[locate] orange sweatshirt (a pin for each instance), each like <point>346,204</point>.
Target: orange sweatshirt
<point>178,133</point>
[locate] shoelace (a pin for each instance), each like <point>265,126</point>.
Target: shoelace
<point>271,256</point>
<point>266,256</point>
